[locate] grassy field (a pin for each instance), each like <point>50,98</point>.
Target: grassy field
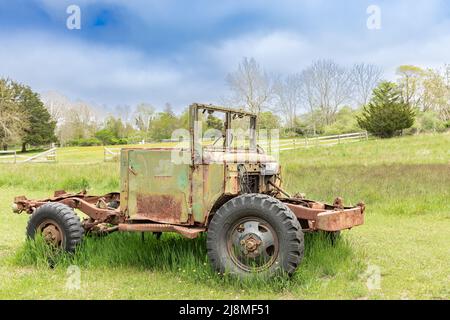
<point>405,183</point>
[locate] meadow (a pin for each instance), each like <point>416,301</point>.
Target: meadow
<point>405,183</point>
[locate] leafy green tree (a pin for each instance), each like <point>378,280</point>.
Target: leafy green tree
<point>268,120</point>
<point>13,119</point>
<point>213,122</point>
<point>116,127</point>
<point>183,120</point>
<point>163,125</point>
<point>345,122</point>
<point>105,136</point>
<point>429,121</point>
<point>387,113</point>
<point>41,128</point>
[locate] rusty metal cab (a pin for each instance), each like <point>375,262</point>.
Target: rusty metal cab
<point>179,186</point>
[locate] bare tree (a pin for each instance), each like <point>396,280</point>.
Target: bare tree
<point>143,116</point>
<point>79,121</point>
<point>56,104</point>
<point>287,92</point>
<point>411,83</point>
<point>251,86</point>
<point>123,112</point>
<point>365,78</point>
<point>326,86</point>
<point>436,93</point>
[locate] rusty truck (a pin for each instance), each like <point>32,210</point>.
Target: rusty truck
<point>234,194</point>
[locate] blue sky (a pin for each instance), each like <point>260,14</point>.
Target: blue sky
<point>180,51</point>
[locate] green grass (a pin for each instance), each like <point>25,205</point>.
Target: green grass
<point>405,183</point>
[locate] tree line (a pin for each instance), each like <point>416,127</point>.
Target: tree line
<point>323,98</point>
<point>329,98</point>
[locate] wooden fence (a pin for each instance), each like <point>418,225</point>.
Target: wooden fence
<point>13,157</point>
<point>111,154</point>
<point>320,141</point>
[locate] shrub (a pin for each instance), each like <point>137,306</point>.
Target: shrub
<point>387,113</point>
<point>345,122</point>
<point>85,142</point>
<point>429,121</point>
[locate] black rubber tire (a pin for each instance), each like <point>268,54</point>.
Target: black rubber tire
<point>65,218</point>
<point>276,214</point>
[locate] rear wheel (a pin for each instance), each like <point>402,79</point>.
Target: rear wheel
<point>58,224</point>
<point>255,233</point>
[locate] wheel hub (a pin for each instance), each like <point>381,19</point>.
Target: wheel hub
<point>51,233</point>
<point>250,243</point>
<point>253,244</point>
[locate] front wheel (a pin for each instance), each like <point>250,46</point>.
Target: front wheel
<point>58,224</point>
<point>255,233</point>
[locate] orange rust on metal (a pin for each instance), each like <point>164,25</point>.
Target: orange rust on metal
<point>339,219</point>
<point>59,193</point>
<point>90,209</point>
<point>338,203</point>
<point>164,208</point>
<point>87,204</point>
<point>329,218</point>
<point>190,233</point>
<point>303,212</point>
<point>316,205</point>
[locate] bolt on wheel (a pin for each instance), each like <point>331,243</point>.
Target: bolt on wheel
<point>253,244</point>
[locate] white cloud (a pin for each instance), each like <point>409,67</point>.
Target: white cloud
<point>278,51</point>
<point>95,73</point>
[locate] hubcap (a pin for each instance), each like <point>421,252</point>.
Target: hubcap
<point>252,244</point>
<point>51,232</point>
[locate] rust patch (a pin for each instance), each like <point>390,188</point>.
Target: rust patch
<point>59,193</point>
<point>329,218</point>
<point>161,208</point>
<point>303,212</point>
<point>340,220</point>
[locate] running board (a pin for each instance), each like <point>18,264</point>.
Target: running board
<point>190,233</point>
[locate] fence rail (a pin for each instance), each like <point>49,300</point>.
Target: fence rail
<point>13,157</point>
<point>305,142</point>
<point>111,154</point>
<point>8,156</point>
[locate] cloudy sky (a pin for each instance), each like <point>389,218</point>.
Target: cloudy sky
<point>128,52</point>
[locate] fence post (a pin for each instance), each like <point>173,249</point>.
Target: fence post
<point>339,139</point>
<point>15,156</point>
<point>294,143</point>
<point>367,136</point>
